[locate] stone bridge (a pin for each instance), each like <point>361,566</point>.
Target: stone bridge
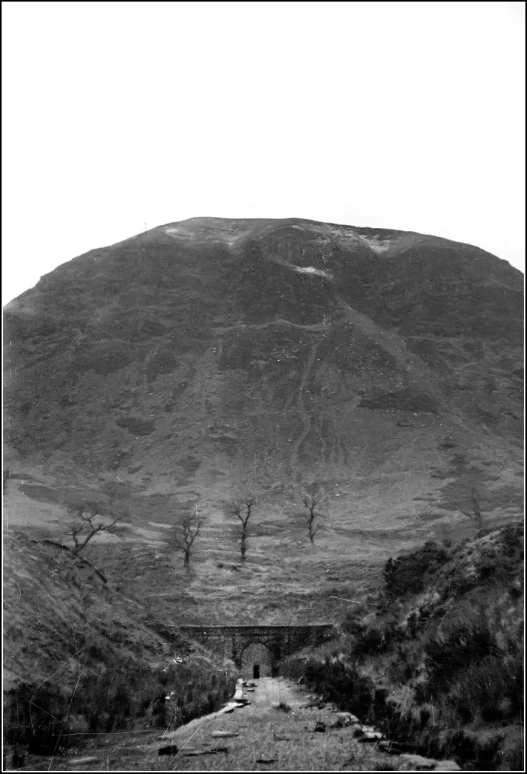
<point>258,650</point>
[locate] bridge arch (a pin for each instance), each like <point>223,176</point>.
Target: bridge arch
<point>272,642</point>
<point>256,661</point>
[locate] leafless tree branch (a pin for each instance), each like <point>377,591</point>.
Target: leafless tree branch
<point>190,527</point>
<point>310,515</point>
<point>86,528</point>
<point>475,514</point>
<point>237,508</point>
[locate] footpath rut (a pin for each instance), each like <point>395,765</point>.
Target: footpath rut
<point>304,413</point>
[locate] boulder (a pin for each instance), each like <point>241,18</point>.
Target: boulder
<point>223,734</point>
<point>171,749</point>
<point>344,719</point>
<point>370,736</point>
<point>392,748</point>
<point>419,762</point>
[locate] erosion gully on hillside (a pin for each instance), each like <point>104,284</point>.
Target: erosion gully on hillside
<point>277,726</point>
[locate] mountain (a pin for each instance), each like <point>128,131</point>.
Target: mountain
<point>213,359</point>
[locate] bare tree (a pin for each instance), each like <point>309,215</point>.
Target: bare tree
<point>86,527</point>
<point>310,516</point>
<point>475,514</point>
<point>190,527</point>
<point>242,510</point>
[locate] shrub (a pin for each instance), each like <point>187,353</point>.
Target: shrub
<point>512,540</point>
<point>489,690</point>
<point>293,667</point>
<point>458,642</point>
<point>342,685</point>
<point>35,716</point>
<point>375,638</point>
<point>406,575</point>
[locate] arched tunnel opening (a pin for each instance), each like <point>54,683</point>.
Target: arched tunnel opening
<point>257,662</point>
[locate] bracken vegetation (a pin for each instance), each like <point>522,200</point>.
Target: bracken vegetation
<point>46,721</point>
<point>438,663</point>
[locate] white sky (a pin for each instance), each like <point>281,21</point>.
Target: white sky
<point>398,115</point>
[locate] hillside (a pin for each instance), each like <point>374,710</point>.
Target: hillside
<point>79,658</point>
<point>211,359</point>
<point>436,658</point>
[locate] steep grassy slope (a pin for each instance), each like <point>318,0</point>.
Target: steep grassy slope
<point>75,617</point>
<point>210,359</point>
<point>79,657</point>
<point>436,657</point>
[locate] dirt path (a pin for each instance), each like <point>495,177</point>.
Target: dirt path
<point>279,321</point>
<point>276,731</point>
